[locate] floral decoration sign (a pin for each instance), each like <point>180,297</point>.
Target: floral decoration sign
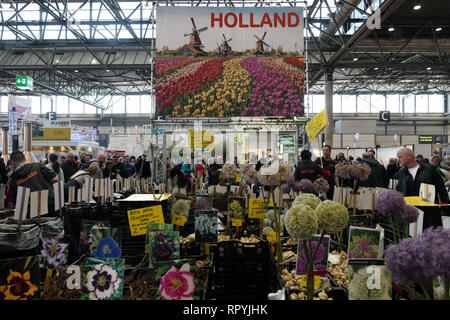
<point>206,226</point>
<point>369,280</point>
<point>139,219</point>
<point>54,251</point>
<point>164,246</point>
<point>19,279</point>
<point>177,281</point>
<point>103,279</point>
<point>320,262</point>
<point>229,62</point>
<point>364,243</point>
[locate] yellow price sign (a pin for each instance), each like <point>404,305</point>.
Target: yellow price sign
<point>418,202</point>
<point>238,177</point>
<point>316,124</point>
<point>316,281</point>
<point>256,208</point>
<point>272,236</point>
<point>236,222</point>
<point>178,220</point>
<point>138,219</point>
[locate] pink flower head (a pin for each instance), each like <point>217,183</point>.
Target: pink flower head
<point>177,284</point>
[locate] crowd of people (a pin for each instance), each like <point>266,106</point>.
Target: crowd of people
<point>408,170</point>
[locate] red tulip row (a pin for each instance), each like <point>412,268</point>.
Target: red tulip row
<point>188,85</point>
<point>296,61</point>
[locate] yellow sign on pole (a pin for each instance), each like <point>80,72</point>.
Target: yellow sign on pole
<point>200,139</point>
<point>316,281</point>
<point>316,124</point>
<point>272,236</point>
<point>138,219</point>
<point>418,202</point>
<point>256,208</point>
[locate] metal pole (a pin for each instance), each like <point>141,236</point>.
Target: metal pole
<point>329,106</point>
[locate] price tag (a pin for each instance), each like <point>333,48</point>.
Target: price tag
<point>236,222</point>
<point>178,220</point>
<point>316,281</point>
<point>256,208</point>
<point>140,218</point>
<point>272,236</point>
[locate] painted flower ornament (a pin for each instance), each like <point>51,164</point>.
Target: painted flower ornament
<point>19,286</point>
<point>107,248</point>
<point>54,252</point>
<point>177,284</point>
<point>102,282</point>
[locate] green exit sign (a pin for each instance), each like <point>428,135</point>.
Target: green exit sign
<point>24,82</point>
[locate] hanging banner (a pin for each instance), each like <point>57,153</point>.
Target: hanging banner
<point>22,106</point>
<point>316,124</point>
<point>224,62</point>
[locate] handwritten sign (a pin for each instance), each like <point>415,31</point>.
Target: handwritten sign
<point>272,236</point>
<point>138,219</point>
<point>236,222</point>
<point>178,220</point>
<point>256,208</point>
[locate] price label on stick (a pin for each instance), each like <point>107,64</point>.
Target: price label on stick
<point>272,236</point>
<point>316,281</point>
<point>236,222</point>
<point>178,220</point>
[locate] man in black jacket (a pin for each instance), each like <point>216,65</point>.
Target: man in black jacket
<point>35,176</point>
<point>328,164</point>
<point>306,169</point>
<point>143,167</point>
<point>69,167</point>
<point>412,175</point>
<point>118,168</point>
<point>378,176</point>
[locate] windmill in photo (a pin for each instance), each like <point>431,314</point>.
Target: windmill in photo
<point>260,49</point>
<point>194,47</point>
<point>225,47</point>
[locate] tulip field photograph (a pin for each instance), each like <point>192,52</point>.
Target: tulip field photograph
<point>243,62</point>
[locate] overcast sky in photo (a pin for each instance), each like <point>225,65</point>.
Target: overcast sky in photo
<point>173,22</point>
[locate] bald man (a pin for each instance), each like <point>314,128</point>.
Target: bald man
<point>412,175</point>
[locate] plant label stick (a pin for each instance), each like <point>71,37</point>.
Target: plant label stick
<point>71,194</point>
<point>39,206</point>
<point>61,198</point>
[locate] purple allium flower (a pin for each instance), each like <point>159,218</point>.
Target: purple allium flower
<point>361,171</point>
<point>291,181</point>
<point>420,259</point>
<point>306,186</point>
<point>321,185</point>
<point>409,214</point>
<point>390,202</point>
<point>404,262</point>
<point>272,180</point>
<point>296,187</point>
<point>285,188</point>
<point>343,170</point>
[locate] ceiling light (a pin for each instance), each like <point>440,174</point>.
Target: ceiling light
<point>391,29</point>
<point>107,70</point>
<point>438,29</point>
<point>355,59</point>
<point>75,71</point>
<point>417,6</point>
<point>376,68</point>
<point>429,68</point>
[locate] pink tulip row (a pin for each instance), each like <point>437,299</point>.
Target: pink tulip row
<point>182,72</point>
<point>279,65</point>
<point>164,66</point>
